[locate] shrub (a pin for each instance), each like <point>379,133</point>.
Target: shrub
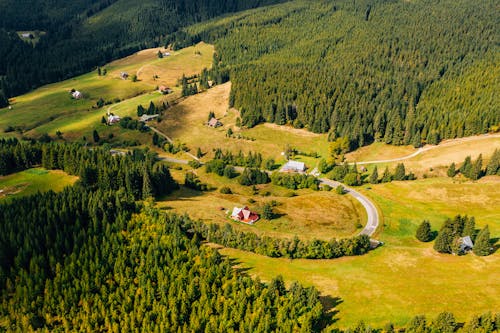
<point>225,190</point>
<point>424,233</point>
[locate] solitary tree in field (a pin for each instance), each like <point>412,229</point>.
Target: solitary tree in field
<point>267,212</point>
<point>160,55</point>
<point>386,177</point>
<point>424,233</point>
<point>96,136</point>
<point>482,246</point>
<point>199,154</point>
<point>452,170</point>
<point>103,120</point>
<point>374,176</point>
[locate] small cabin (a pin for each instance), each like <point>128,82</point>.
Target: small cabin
<point>112,119</point>
<point>124,75</point>
<point>76,94</point>
<point>164,90</point>
<point>214,122</point>
<point>244,215</point>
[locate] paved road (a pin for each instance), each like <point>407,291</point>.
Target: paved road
<point>430,147</point>
<point>371,211</point>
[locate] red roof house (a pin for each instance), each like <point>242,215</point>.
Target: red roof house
<point>244,215</point>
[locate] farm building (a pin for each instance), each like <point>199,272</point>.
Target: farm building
<point>164,90</point>
<point>213,122</point>
<point>293,166</point>
<point>466,243</point>
<point>166,54</point>
<point>147,117</point>
<point>124,75</point>
<point>76,94</point>
<point>112,119</point>
<point>244,215</point>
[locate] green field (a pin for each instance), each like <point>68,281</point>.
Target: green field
<point>310,214</point>
<point>186,122</point>
<point>32,181</point>
<point>51,108</point>
<point>404,277</point>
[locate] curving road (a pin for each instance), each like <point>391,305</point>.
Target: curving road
<point>371,211</point>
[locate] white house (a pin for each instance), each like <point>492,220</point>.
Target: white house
<point>466,244</point>
<point>112,119</point>
<point>76,94</point>
<point>293,166</point>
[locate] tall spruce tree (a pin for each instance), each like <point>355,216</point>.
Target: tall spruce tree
<point>374,176</point>
<point>400,173</point>
<point>452,170</point>
<point>483,246</point>
<point>493,167</point>
<point>424,233</point>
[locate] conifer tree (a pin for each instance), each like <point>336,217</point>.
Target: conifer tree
<point>482,246</point>
<point>452,170</point>
<point>147,189</point>
<point>466,168</point>
<point>477,168</point>
<point>386,176</point>
<point>374,176</point>
<point>444,323</point>
<point>96,136</point>
<point>493,167</point>
<point>423,232</point>
<point>400,173</point>
<point>469,228</point>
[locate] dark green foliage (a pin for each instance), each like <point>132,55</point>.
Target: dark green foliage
<point>4,101</point>
<point>251,176</point>
<point>493,167</point>
<point>229,172</point>
<point>269,164</point>
<point>199,154</point>
<point>295,181</point>
<point>469,228</point>
<point>140,110</point>
<point>282,247</point>
<point>374,176</point>
<point>96,137</point>
<point>211,115</point>
<point>340,190</point>
<point>451,230</point>
<point>267,211</point>
<point>352,179</point>
<point>386,176</point>
<point>128,122</point>
<point>192,181</point>
<point>424,233</point>
<point>417,325</point>
<point>452,170</point>
<point>225,190</point>
<point>466,168</point>
<point>482,247</point>
<point>400,173</point>
<point>393,93</point>
<point>444,323</point>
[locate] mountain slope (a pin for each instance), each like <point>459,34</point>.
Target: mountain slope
<point>398,71</point>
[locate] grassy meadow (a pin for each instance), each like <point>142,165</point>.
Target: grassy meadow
<point>51,108</point>
<point>31,181</point>
<point>404,277</point>
<point>186,123</point>
<point>308,214</point>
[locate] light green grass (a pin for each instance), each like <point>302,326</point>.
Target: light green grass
<point>405,278</point>
<point>51,108</point>
<point>31,181</point>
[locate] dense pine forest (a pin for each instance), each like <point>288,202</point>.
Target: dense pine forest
<point>83,34</point>
<point>396,71</point>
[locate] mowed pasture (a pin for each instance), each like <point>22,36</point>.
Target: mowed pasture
<point>186,123</point>
<point>404,277</point>
<point>307,214</point>
<point>31,181</point>
<point>432,160</point>
<point>51,108</point>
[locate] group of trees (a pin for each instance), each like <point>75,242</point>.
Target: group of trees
<point>152,109</point>
<point>251,160</point>
<point>350,175</point>
<point>72,45</point>
<point>138,173</point>
<point>295,181</point>
<point>383,79</point>
<point>253,176</point>
<point>79,260</point>
<point>279,247</point>
<point>449,237</point>
<point>474,170</point>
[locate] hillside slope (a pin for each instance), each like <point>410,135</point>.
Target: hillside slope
<point>84,33</point>
<point>404,72</point>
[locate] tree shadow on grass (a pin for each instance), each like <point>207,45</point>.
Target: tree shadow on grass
<point>329,310</point>
<point>495,245</point>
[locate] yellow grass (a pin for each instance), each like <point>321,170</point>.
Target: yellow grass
<point>404,277</point>
<point>310,214</point>
<point>186,122</point>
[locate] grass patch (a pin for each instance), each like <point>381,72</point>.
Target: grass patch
<point>405,277</point>
<point>31,181</point>
<point>309,214</point>
<point>186,122</point>
<point>51,108</point>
